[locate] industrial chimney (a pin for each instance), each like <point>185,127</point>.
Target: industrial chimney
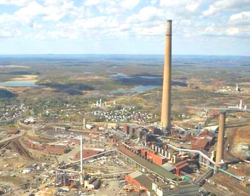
<point>166,93</point>
<point>220,142</point>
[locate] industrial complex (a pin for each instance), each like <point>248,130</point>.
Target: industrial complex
<point>117,156</point>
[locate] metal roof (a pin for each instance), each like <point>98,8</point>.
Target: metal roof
<point>135,174</point>
<point>148,165</point>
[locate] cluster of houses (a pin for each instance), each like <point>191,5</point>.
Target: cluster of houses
<point>9,112</point>
<point>123,115</point>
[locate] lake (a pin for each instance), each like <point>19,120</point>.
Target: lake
<point>137,89</point>
<point>26,83</point>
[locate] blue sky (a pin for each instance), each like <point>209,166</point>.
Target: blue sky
<point>206,27</point>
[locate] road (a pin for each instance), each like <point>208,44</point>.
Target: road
<point>13,137</point>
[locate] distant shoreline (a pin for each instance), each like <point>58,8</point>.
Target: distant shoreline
<point>115,55</point>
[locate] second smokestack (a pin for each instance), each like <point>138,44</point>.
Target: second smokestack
<point>220,142</point>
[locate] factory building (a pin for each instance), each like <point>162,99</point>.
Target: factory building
<point>203,141</point>
<point>140,181</point>
<point>180,166</point>
<point>156,158</point>
<point>35,145</point>
<point>151,186</point>
<point>162,189</point>
<point>145,163</point>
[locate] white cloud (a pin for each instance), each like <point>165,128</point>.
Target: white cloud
<point>242,15</point>
<point>4,33</point>
<point>212,9</point>
<point>190,5</point>
<point>224,31</point>
<point>53,12</point>
<point>146,14</point>
<point>150,31</point>
<point>56,2</point>
<point>94,2</point>
<point>37,26</point>
<point>15,2</point>
<point>23,16</point>
<point>95,27</point>
<point>120,18</point>
<point>242,18</point>
<point>167,3</point>
<point>130,4</point>
<point>150,13</point>
<point>96,23</point>
<point>112,6</point>
<point>5,18</point>
<point>67,9</point>
<point>7,31</point>
<point>153,2</point>
<point>106,7</point>
<point>233,31</point>
<point>26,14</point>
<point>226,5</point>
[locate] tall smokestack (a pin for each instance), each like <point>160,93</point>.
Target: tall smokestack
<point>166,93</point>
<point>220,142</point>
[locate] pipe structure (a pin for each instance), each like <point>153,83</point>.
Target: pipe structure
<point>81,153</point>
<point>81,161</point>
<point>166,93</point>
<point>220,142</point>
<point>84,122</point>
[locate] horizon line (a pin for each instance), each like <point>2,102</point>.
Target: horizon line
<point>239,55</point>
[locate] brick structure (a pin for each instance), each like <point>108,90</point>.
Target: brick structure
<point>204,141</point>
<point>156,158</point>
<point>179,166</point>
<point>141,182</point>
<point>125,129</point>
<point>88,153</point>
<point>35,145</point>
<point>56,149</point>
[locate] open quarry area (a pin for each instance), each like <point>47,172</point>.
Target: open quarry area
<point>92,125</point>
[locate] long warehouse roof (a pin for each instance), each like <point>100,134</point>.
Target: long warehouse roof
<point>151,166</point>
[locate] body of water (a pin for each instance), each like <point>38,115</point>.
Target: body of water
<point>26,83</point>
<point>136,89</point>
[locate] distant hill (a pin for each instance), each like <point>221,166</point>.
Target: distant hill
<point>6,94</point>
